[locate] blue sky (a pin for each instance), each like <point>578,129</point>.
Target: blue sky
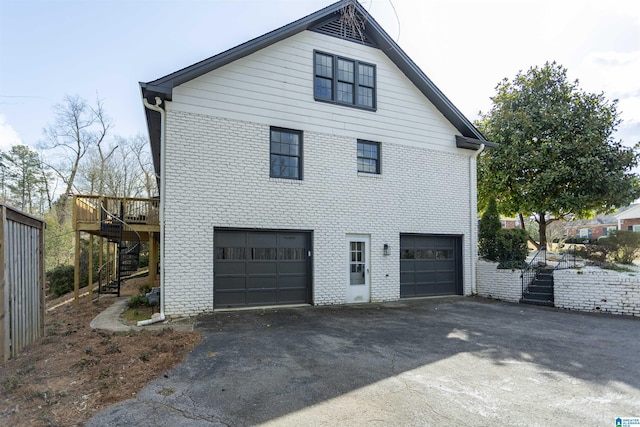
<point>49,48</point>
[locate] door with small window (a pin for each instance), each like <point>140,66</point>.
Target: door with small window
<point>358,282</point>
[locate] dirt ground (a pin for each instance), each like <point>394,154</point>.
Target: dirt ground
<point>74,371</point>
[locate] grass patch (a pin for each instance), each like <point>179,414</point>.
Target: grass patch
<point>616,267</point>
<point>137,314</point>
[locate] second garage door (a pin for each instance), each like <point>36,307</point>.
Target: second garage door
<point>430,265</point>
<point>254,268</point>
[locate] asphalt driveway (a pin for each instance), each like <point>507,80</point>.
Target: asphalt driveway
<point>451,361</point>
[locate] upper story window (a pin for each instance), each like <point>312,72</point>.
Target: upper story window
<point>344,81</point>
<point>368,156</point>
<point>286,153</point>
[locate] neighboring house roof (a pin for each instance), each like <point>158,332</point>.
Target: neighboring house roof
<point>321,21</point>
<point>630,212</point>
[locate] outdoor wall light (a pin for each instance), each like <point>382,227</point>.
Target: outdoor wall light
<point>385,249</point>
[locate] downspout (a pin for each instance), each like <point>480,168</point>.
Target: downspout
<point>473,208</point>
<point>163,124</point>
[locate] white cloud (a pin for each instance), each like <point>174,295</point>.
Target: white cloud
<point>8,136</point>
<point>630,108</point>
<point>615,74</point>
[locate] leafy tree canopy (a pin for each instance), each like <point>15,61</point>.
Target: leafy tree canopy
<point>556,155</point>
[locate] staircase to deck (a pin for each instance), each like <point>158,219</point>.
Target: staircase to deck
<point>112,275</point>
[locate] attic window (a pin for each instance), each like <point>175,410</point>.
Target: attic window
<point>344,81</point>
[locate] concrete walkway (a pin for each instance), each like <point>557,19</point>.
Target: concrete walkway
<point>110,320</point>
<point>453,361</point>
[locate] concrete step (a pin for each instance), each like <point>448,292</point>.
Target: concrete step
<point>536,302</point>
<point>538,296</point>
<point>540,289</point>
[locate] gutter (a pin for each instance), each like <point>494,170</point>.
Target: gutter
<point>163,124</point>
<point>473,211</point>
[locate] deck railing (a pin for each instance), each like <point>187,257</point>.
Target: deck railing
<point>134,210</point>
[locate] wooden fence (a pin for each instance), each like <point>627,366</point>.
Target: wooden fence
<point>22,280</point>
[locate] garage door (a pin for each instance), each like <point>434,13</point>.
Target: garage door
<point>430,265</point>
<point>254,268</point>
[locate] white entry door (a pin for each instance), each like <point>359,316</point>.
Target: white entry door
<point>358,268</point>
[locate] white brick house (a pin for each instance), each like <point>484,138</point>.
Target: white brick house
<point>312,166</point>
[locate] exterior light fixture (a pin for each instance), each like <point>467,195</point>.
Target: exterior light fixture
<point>385,249</point>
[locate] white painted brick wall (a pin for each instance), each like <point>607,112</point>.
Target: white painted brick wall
<point>217,172</point>
<point>498,283</point>
<point>597,290</point>
<point>587,289</point>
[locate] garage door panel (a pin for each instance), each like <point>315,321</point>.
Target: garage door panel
<point>285,280</point>
<point>290,296</point>
<point>424,277</point>
<point>262,297</point>
<point>231,299</point>
<point>445,276</point>
<point>230,267</point>
<point>258,282</point>
<point>407,240</point>
<point>292,268</point>
<point>231,283</point>
<point>407,277</point>
<point>430,265</point>
<point>231,240</point>
<point>292,240</point>
<point>261,268</point>
<point>421,265</point>
<point>262,240</point>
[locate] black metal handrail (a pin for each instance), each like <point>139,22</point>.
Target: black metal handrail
<point>568,259</point>
<point>530,270</point>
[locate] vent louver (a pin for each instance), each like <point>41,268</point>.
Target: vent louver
<point>335,28</point>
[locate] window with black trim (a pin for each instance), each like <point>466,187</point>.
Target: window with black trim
<point>286,153</point>
<point>368,156</point>
<point>344,81</point>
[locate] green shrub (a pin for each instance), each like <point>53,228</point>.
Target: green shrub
<point>489,228</point>
<point>623,246</point>
<point>597,253</point>
<point>583,240</point>
<point>138,301</point>
<point>60,280</point>
<point>143,261</point>
<point>144,289</point>
<point>511,247</point>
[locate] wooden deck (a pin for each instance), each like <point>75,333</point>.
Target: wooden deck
<point>140,214</point>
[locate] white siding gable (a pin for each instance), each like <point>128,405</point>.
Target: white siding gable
<point>275,86</point>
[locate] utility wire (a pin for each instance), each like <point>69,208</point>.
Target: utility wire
<point>397,19</point>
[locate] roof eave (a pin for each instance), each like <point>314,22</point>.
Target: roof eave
<point>168,82</point>
<point>473,143</point>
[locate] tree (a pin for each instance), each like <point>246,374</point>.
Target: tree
<point>76,128</point>
<point>122,169</point>
<point>556,155</point>
<point>26,179</point>
<point>488,230</point>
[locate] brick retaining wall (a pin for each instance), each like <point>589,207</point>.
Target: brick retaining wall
<point>586,289</point>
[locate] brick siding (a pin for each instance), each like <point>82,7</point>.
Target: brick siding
<point>217,174</point>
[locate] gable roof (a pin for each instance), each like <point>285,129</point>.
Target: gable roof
<point>321,21</point>
<point>629,212</point>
